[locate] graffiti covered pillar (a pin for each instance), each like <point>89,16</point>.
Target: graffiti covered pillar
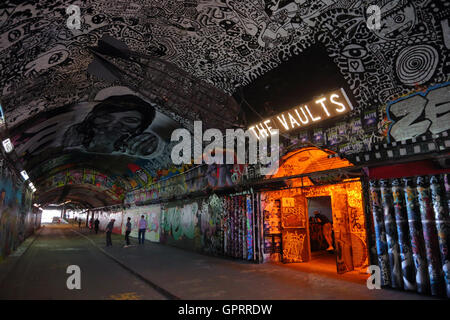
<point>442,224</point>
<point>401,219</point>
<point>416,236</point>
<point>430,236</point>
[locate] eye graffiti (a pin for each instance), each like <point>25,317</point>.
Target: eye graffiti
<point>354,53</point>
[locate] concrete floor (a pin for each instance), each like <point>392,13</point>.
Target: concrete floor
<point>155,271</point>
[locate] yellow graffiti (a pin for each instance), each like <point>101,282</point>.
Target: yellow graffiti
<point>125,296</point>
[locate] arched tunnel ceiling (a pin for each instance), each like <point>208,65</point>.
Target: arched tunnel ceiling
<point>71,105</point>
<point>84,195</point>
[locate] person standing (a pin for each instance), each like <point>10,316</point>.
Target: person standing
<point>109,229</point>
<point>127,232</point>
<point>327,228</point>
<point>142,227</point>
<point>79,223</point>
<point>96,224</point>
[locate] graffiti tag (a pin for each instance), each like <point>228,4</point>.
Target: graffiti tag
<point>420,113</point>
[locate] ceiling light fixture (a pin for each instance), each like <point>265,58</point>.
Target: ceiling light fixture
<point>7,145</point>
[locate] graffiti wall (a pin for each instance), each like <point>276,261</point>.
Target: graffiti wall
<point>420,113</point>
<point>412,225</point>
<point>201,178</point>
<point>152,214</point>
<point>106,183</point>
<point>17,221</point>
<point>226,225</point>
<point>194,225</point>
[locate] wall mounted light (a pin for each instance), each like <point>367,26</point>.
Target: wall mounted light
<point>7,145</point>
<point>24,174</point>
<point>32,186</point>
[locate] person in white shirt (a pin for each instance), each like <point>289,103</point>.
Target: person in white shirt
<point>142,227</point>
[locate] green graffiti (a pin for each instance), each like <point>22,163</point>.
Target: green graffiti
<point>180,221</point>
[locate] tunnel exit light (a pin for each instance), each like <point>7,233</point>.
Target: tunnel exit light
<point>24,175</point>
<point>7,145</point>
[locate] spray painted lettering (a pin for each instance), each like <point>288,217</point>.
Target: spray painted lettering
<point>420,113</point>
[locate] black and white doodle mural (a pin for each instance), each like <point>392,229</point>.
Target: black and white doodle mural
<point>230,43</point>
<point>227,44</point>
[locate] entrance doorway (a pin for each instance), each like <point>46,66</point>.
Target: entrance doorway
<point>292,225</point>
<point>321,235</point>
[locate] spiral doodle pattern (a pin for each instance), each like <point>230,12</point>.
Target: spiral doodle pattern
<point>417,64</point>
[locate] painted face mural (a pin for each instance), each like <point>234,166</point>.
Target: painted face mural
<point>116,125</point>
<point>121,124</point>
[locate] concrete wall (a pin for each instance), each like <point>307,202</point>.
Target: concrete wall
<point>193,225</point>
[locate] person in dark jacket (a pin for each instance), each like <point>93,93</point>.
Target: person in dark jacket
<point>127,232</point>
<point>109,229</point>
<point>96,224</point>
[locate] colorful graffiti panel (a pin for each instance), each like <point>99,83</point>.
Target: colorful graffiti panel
<point>17,221</point>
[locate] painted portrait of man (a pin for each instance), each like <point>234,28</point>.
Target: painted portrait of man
<point>116,125</point>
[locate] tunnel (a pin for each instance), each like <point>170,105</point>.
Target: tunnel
<point>225,150</point>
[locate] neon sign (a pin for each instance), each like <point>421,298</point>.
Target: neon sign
<point>325,107</point>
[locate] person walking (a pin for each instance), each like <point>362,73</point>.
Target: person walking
<point>142,227</point>
<point>96,224</point>
<point>109,229</point>
<point>79,223</point>
<point>127,232</point>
